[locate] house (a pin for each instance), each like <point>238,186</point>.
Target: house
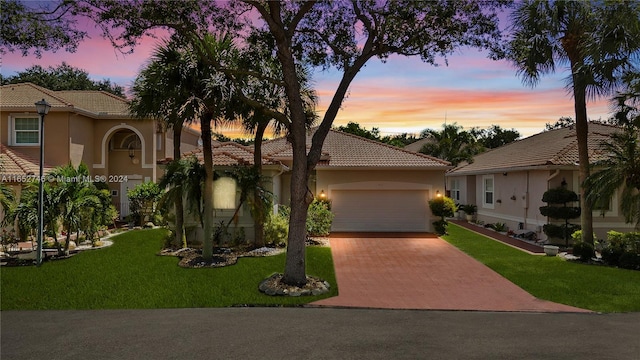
<point>93,127</point>
<point>372,186</point>
<point>507,183</point>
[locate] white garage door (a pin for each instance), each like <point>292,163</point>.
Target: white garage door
<point>380,210</point>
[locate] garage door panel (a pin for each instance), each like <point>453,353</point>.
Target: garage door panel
<point>380,210</point>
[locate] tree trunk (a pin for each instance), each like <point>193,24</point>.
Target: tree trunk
<point>260,216</point>
<point>582,132</point>
<point>207,244</point>
<point>179,240</point>
<point>294,271</point>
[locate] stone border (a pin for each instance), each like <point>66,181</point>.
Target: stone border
<point>274,287</point>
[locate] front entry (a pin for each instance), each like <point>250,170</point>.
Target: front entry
<point>125,186</point>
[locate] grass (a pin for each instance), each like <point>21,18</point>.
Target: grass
<point>597,288</point>
<point>128,275</point>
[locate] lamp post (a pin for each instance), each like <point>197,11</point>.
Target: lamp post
<point>42,107</point>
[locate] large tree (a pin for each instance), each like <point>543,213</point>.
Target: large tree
<point>598,41</point>
<point>63,77</point>
<point>342,34</point>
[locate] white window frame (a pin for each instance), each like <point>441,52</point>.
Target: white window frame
<point>12,129</point>
<point>455,189</point>
<point>485,204</point>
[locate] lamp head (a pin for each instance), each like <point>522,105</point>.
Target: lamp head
<point>42,107</point>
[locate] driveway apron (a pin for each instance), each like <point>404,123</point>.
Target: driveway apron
<point>422,273</point>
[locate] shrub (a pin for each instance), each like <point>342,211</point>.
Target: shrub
<point>629,260</point>
<point>584,251</point>
<point>319,218</point>
<point>440,227</point>
<point>622,249</point>
<point>442,207</point>
<point>276,228</point>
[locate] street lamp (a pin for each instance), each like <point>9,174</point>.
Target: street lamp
<point>42,107</point>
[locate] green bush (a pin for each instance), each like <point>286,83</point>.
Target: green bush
<point>622,249</point>
<point>584,251</point>
<point>276,228</point>
<point>629,260</point>
<point>319,218</point>
<point>442,207</point>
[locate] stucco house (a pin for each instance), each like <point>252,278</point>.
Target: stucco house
<point>507,183</point>
<point>372,186</point>
<point>93,127</point>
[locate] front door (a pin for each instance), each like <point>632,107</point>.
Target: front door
<point>125,186</point>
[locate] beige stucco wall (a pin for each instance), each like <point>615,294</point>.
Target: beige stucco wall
<point>56,142</point>
<point>327,179</point>
<point>527,211</point>
<point>517,199</point>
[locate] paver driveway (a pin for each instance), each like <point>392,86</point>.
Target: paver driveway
<point>422,273</point>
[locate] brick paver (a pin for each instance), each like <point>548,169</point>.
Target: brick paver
<point>422,273</point>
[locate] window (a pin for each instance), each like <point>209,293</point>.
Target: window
<point>455,189</point>
<point>224,194</point>
<point>26,131</point>
<point>487,191</point>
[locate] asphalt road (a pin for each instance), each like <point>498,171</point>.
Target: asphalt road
<point>316,333</point>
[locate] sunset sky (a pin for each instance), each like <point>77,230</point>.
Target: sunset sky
<point>401,95</point>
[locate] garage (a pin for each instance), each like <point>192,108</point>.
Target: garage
<point>381,210</point>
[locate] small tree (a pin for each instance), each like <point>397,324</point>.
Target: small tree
<point>558,199</point>
<point>143,200</point>
<point>442,207</point>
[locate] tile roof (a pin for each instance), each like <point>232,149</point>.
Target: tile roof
<point>95,103</point>
<point>25,95</point>
<point>343,150</point>
<point>555,148</point>
<point>14,164</point>
<point>231,153</point>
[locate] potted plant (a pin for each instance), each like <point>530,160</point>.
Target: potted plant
<point>470,210</point>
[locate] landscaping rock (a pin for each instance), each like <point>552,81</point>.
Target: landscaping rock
<point>273,286</point>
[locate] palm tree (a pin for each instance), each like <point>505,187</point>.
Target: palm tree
<point>621,170</point>
<point>158,93</point>
<point>597,40</point>
<point>184,179</point>
<point>74,197</point>
<point>7,202</point>
<point>451,144</point>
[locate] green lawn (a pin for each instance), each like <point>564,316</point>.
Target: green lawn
<point>597,288</point>
<point>128,275</point>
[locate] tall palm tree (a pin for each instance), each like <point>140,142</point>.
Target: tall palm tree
<point>159,92</point>
<point>596,40</point>
<point>451,144</point>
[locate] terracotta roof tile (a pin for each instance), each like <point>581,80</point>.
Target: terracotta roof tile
<point>347,150</point>
<point>14,164</point>
<point>550,148</point>
<point>231,153</point>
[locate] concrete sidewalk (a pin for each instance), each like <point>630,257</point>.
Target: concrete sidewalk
<point>422,273</point>
<point>316,333</point>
